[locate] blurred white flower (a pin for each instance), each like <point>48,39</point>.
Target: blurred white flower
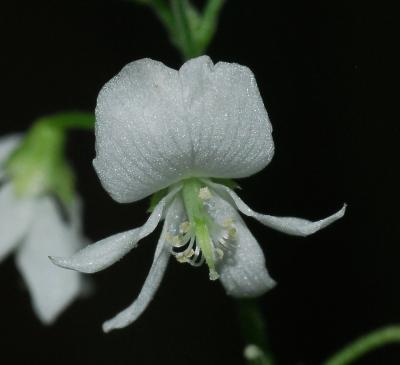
<point>159,128</point>
<point>32,227</point>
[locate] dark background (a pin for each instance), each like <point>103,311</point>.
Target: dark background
<point>326,73</point>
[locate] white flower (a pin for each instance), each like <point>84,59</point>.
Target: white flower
<point>32,228</point>
<point>161,128</point>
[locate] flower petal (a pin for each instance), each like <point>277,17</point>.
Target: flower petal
<point>100,255</point>
<point>7,146</point>
<point>136,114</point>
<point>151,284</point>
<point>242,270</point>
<point>289,225</point>
<point>51,289</point>
<point>15,218</point>
<point>155,126</point>
<point>154,278</point>
<point>230,129</point>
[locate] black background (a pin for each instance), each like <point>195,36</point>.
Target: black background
<point>326,73</point>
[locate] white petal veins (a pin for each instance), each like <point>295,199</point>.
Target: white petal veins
<point>289,225</point>
<point>138,114</point>
<point>230,129</point>
<point>156,125</point>
<point>100,255</point>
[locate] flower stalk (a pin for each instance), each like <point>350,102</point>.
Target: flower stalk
<point>189,29</point>
<point>365,344</point>
<point>185,39</point>
<point>253,328</point>
<point>69,120</point>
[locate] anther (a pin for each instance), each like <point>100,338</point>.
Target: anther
<point>232,232</point>
<point>176,241</point>
<point>204,193</point>
<point>184,227</point>
<point>169,237</point>
<point>214,275</point>
<point>185,256</point>
<point>219,253</point>
<point>227,223</point>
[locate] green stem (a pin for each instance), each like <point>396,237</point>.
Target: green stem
<point>209,22</point>
<point>184,33</point>
<point>365,344</point>
<point>190,30</point>
<point>257,351</point>
<point>69,120</point>
<point>164,13</point>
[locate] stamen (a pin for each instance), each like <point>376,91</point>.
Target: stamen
<point>187,249</point>
<point>213,275</point>
<point>227,223</point>
<point>220,253</point>
<point>224,238</point>
<point>209,240</point>
<point>184,257</point>
<point>232,232</point>
<point>195,261</point>
<point>184,227</point>
<point>204,193</point>
<point>176,241</point>
<point>223,243</point>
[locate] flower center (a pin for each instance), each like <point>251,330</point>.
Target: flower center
<point>200,238</point>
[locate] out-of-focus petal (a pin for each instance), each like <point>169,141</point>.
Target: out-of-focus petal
<point>100,255</point>
<point>155,126</point>
<point>154,278</point>
<point>15,218</point>
<point>289,225</point>
<point>51,288</point>
<point>7,146</point>
<point>242,269</point>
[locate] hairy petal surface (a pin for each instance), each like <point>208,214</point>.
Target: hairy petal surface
<point>100,255</point>
<point>156,125</point>
<point>15,218</point>
<point>242,271</point>
<point>139,114</point>
<point>230,130</point>
<point>156,273</point>
<point>289,225</point>
<point>51,289</point>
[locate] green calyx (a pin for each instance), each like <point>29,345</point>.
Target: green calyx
<point>200,221</point>
<point>156,197</point>
<point>38,165</point>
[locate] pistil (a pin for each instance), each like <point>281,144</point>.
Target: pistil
<point>193,194</point>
